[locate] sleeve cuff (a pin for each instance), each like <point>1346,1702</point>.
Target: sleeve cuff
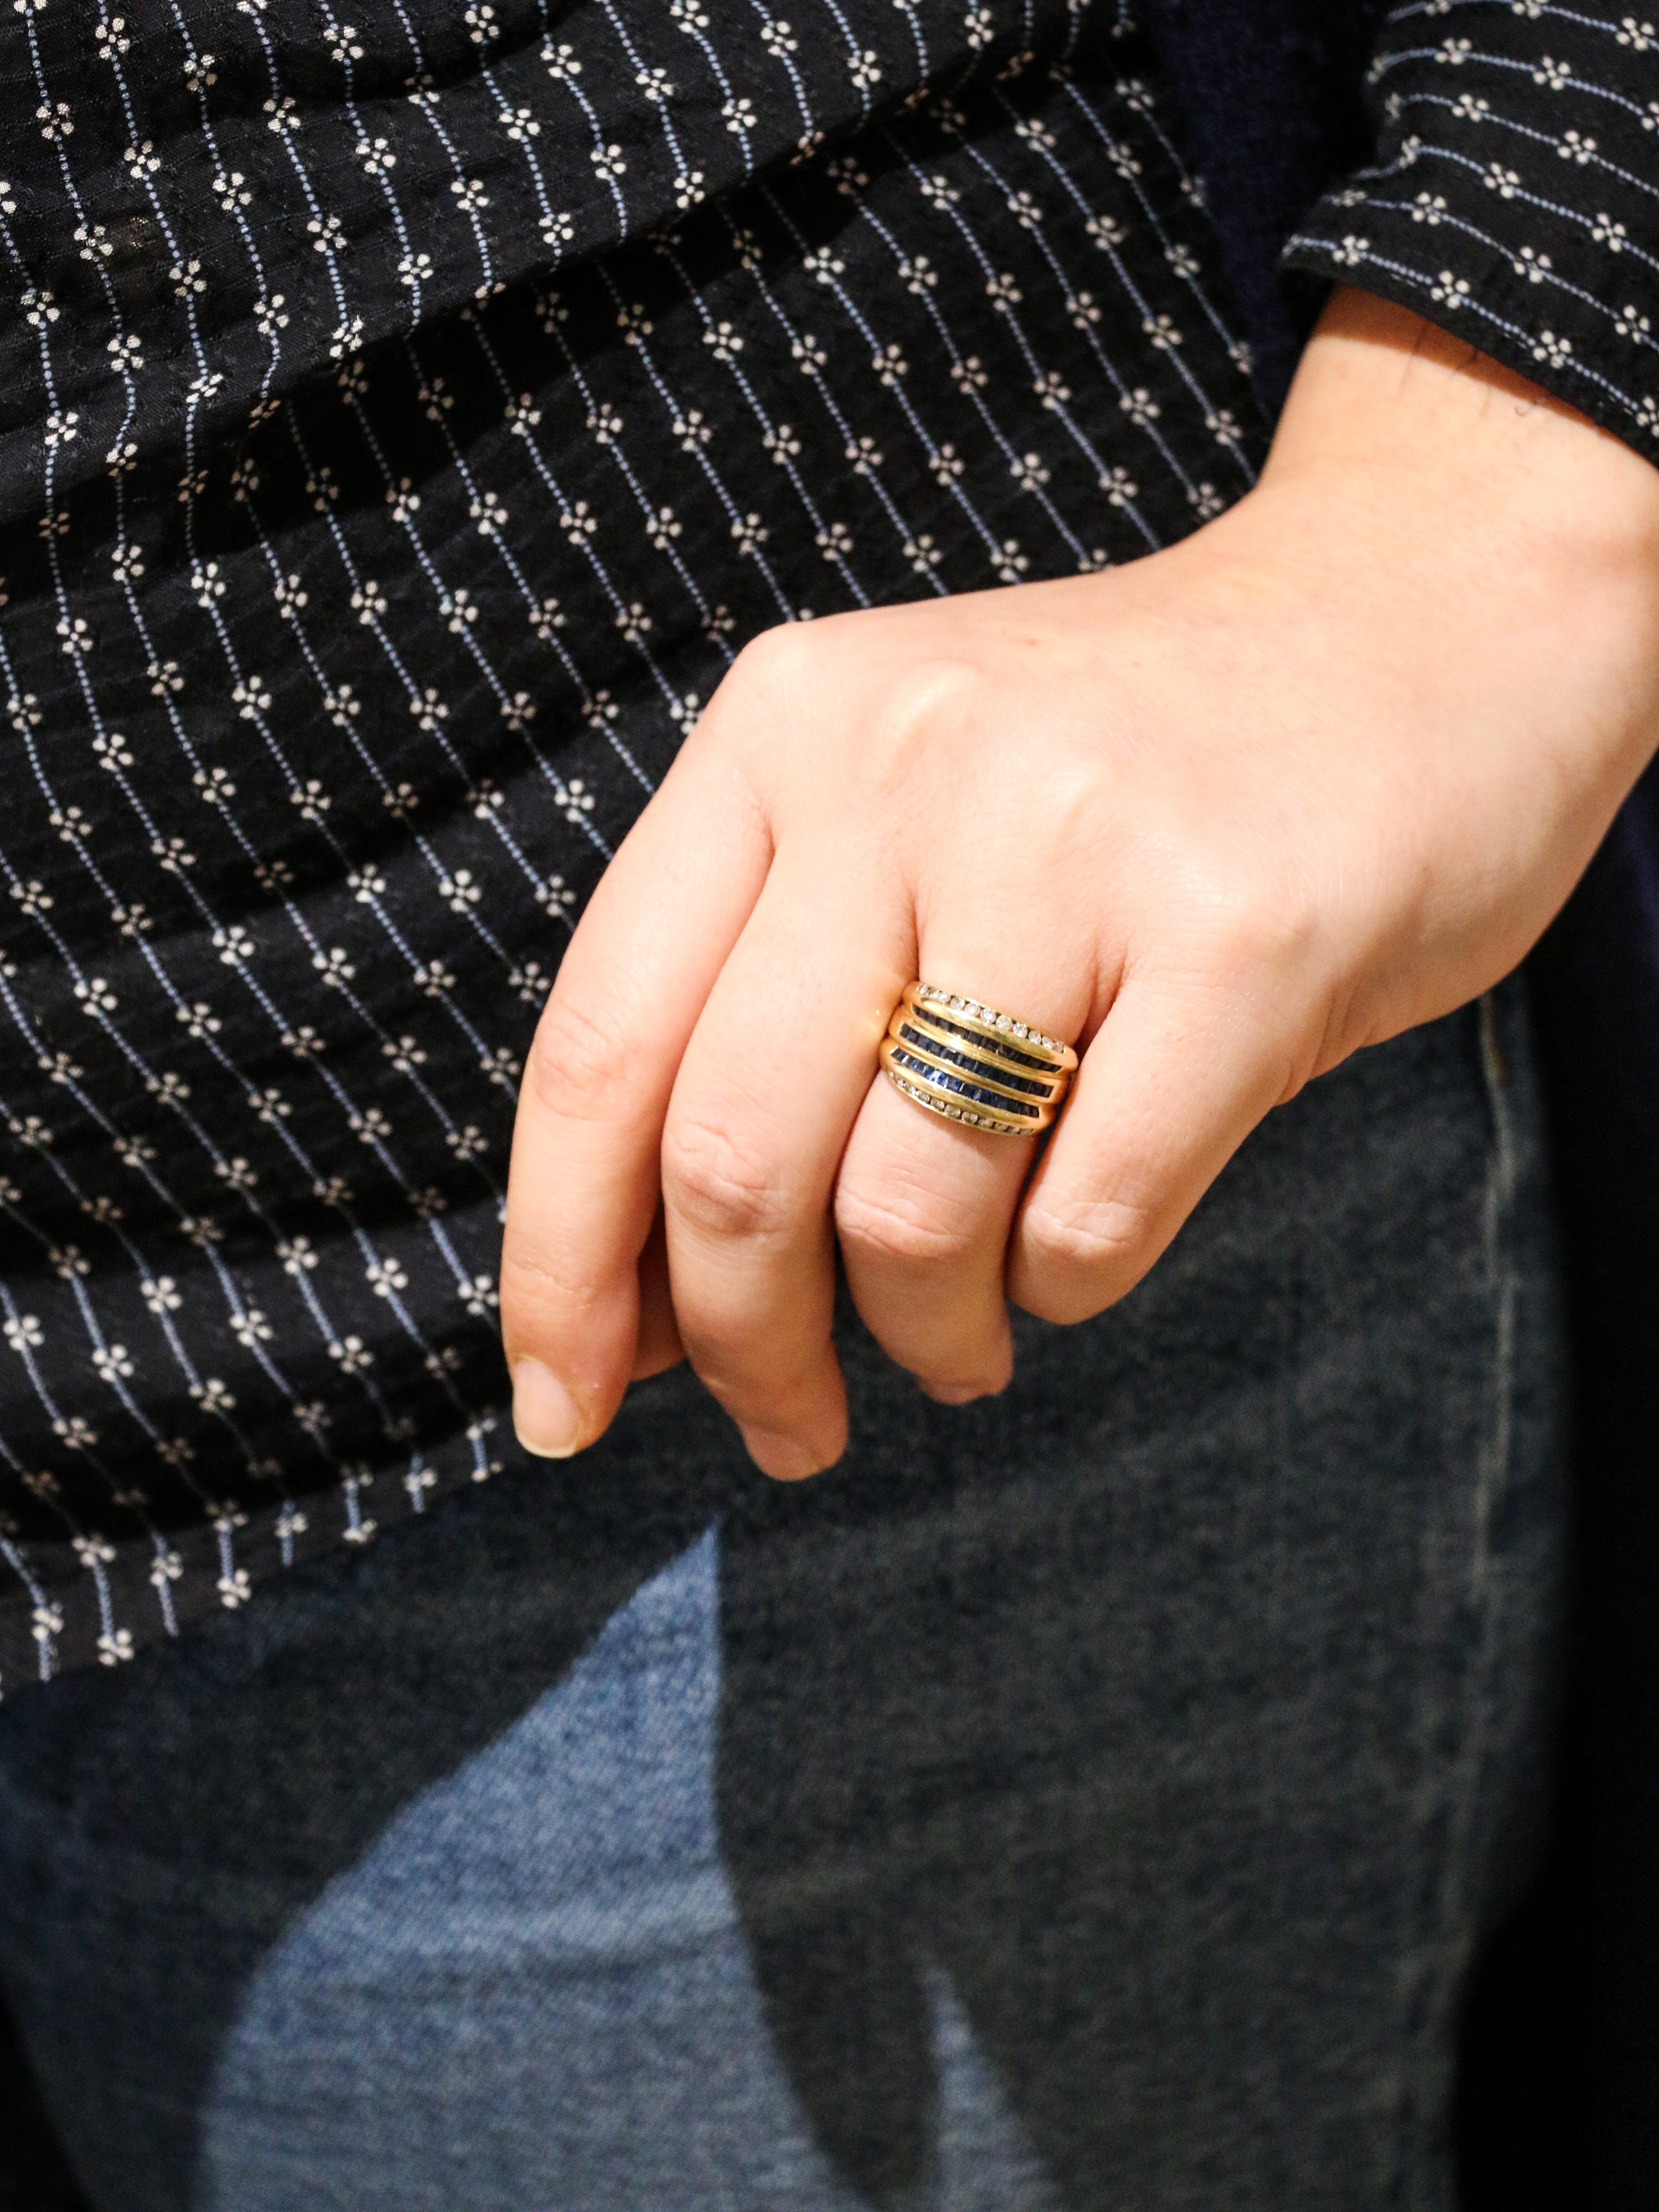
<point>1514,200</point>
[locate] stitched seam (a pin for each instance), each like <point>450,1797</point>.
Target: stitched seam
<point>1447,1946</point>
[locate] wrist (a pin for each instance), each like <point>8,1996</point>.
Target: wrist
<point>1481,464</point>
<point>1451,527</point>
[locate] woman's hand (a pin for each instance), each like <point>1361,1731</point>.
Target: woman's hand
<point>1322,771</point>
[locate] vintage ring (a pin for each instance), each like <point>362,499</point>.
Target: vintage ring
<point>968,1061</point>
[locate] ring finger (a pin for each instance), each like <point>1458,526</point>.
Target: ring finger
<point>926,1193</point>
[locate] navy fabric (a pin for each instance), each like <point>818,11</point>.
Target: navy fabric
<point>1089,1798</point>
<point>1270,92</point>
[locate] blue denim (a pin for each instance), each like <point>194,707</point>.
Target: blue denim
<point>577,1862</point>
<point>1089,1798</point>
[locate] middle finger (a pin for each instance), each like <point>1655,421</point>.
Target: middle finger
<point>767,1091</point>
<point>924,1203</point>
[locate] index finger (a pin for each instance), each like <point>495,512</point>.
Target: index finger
<point>583,1186</point>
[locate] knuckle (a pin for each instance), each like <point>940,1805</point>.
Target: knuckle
<point>763,679</point>
<point>544,1297</point>
<point>779,680</point>
<point>1245,923</point>
<point>1263,936</point>
<point>721,1181</point>
<point>1088,1249</point>
<point>931,700</point>
<point>578,1064</point>
<point>770,653</point>
<point>907,1229</point>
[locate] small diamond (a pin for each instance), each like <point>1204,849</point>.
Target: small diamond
<point>958,1005</point>
<point>1003,1022</point>
<point>1020,1029</point>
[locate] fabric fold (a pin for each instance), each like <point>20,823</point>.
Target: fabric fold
<point>237,202</point>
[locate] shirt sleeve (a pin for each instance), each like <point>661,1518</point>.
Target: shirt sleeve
<point>1514,194</point>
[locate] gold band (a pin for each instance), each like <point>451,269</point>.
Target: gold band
<point>971,1063</point>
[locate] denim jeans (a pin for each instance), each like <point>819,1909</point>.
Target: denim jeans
<point>1085,1798</point>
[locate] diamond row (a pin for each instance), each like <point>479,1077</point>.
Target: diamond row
<point>939,1105</point>
<point>989,1015</point>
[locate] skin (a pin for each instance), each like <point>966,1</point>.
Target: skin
<point>1322,771</point>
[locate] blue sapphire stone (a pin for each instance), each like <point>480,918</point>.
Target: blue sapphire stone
<point>940,1081</point>
<point>982,1068</point>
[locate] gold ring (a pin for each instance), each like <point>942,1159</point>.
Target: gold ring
<point>972,1063</point>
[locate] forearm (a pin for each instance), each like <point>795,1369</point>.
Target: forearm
<point>1498,481</point>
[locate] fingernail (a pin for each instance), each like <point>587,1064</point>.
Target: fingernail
<point>785,1458</point>
<point>956,1393</point>
<point>544,1411</point>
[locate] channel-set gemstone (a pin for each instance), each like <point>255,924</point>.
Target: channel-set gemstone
<point>937,1079</point>
<point>988,1044</point>
<point>988,1070</point>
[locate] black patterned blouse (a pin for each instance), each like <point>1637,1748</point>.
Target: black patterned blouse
<point>407,409</point>
<point>1514,194</point>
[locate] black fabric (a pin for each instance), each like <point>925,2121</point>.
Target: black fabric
<point>1513,194</point>
<point>34,2174</point>
<point>1589,1954</point>
<point>1272,96</point>
<point>322,740</point>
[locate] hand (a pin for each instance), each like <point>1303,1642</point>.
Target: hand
<point>1322,771</point>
